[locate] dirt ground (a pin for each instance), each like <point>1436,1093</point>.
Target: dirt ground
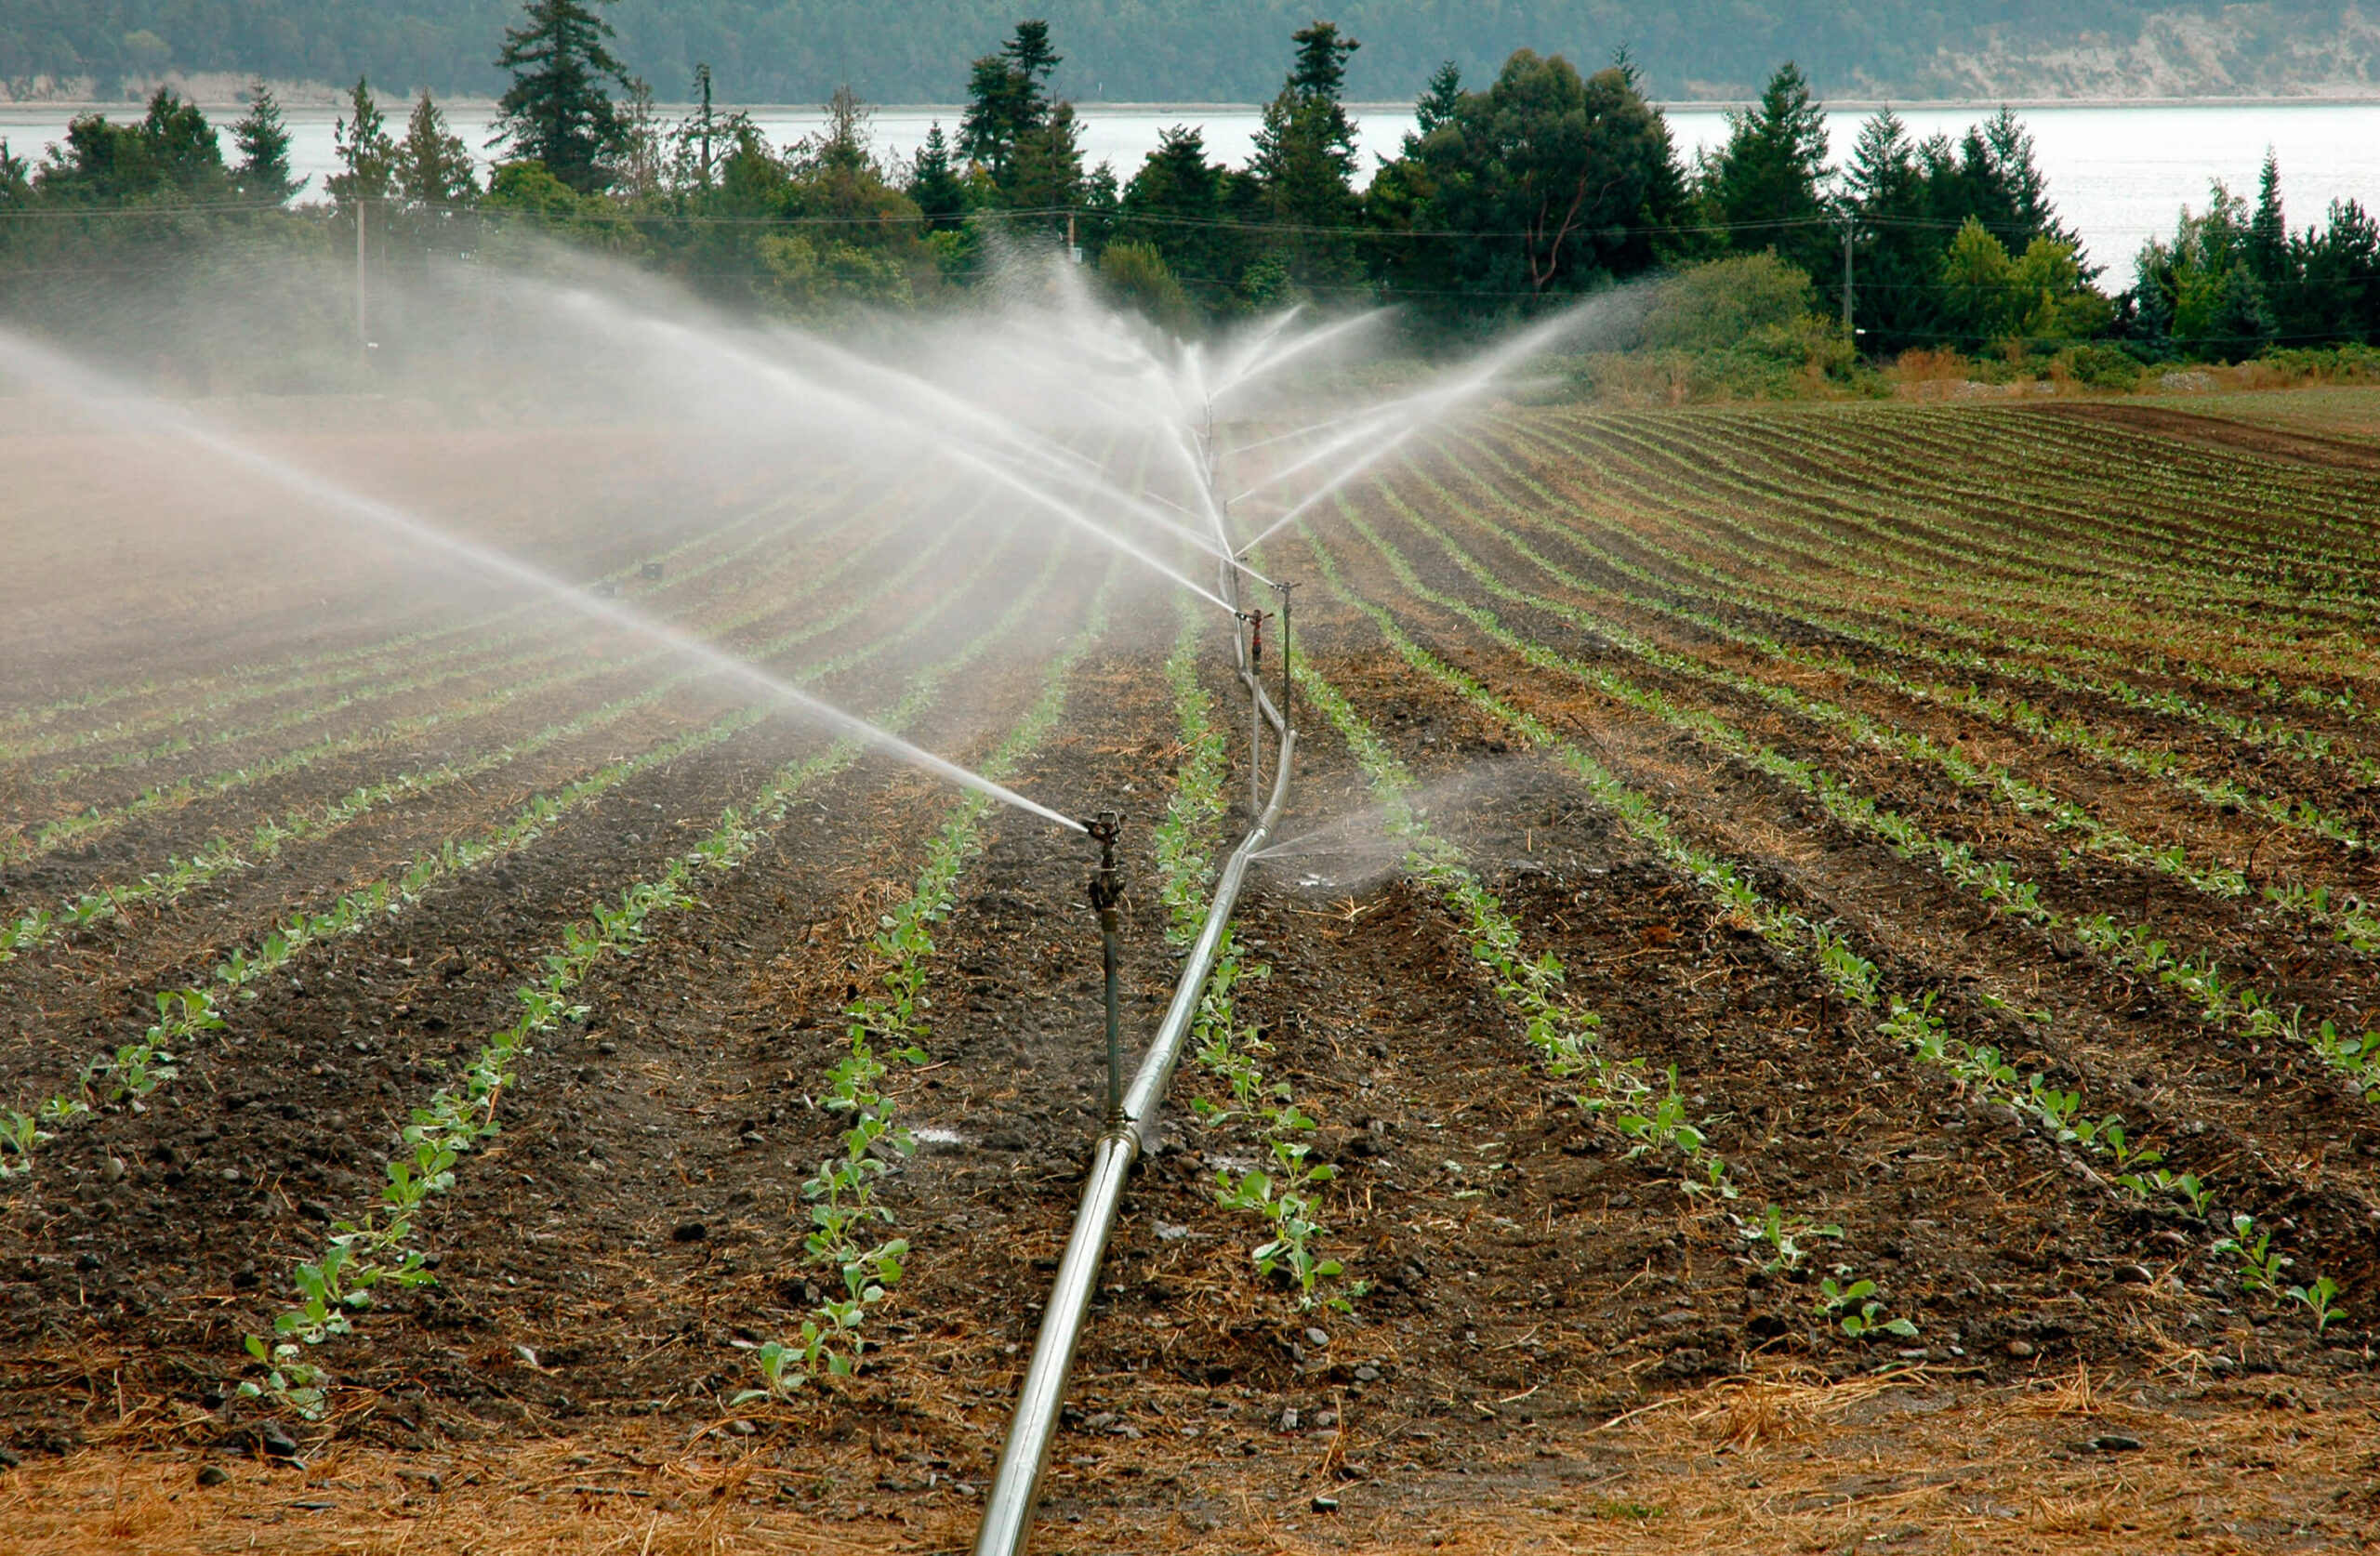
<point>1556,1348</point>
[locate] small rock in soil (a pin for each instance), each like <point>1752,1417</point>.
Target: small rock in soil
<point>1316,1338</point>
<point>213,1474</point>
<point>1288,1422</point>
<point>1324,1419</point>
<point>1367,1373</point>
<point>2115,1443</point>
<point>689,1232</point>
<point>276,1442</point>
<point>2021,1350</point>
<point>1324,1504</point>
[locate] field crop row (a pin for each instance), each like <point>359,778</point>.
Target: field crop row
<point>1910,1018</point>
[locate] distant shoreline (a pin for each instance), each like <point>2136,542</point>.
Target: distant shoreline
<point>327,98</point>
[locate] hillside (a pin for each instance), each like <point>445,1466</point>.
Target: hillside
<point>1218,50</point>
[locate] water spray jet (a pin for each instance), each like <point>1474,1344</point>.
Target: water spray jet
<point>91,388</point>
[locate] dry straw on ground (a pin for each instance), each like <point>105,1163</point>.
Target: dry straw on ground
<point>1781,1463</point>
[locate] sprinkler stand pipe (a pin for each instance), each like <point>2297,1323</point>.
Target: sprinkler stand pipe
<point>1105,894</point>
<point>1016,1485</point>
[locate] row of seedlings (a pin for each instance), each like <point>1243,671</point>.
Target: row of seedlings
<point>132,1071</point>
<point>846,1215</point>
<point>361,1253</point>
<point>2228,1003</point>
<point>99,821</point>
<point>2137,1171</point>
<point>1285,1197</point>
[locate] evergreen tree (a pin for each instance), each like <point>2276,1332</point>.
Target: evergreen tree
<point>2008,178</point>
<point>1908,205</point>
<point>1304,163</point>
<point>1437,103</point>
<point>1764,189</point>
<point>1542,186</point>
<point>1897,240</point>
<point>433,166</point>
<point>365,151</point>
<point>557,111</point>
<point>702,131</point>
<point>263,139</point>
<point>935,183</point>
<point>1008,98</point>
<point>2269,229</point>
<point>171,150</point>
<point>2336,267</point>
<point>1179,206</point>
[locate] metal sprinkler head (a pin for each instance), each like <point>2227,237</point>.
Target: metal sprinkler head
<point>1105,828</point>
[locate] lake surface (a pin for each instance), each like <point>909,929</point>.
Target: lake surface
<point>2118,174</point>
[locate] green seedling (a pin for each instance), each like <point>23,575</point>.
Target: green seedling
<point>2260,1267</point>
<point>19,1137</point>
<point>1855,1307</point>
<point>1782,1239</point>
<point>2316,1300</point>
<point>288,1381</point>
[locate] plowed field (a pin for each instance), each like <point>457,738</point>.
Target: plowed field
<point>1825,952</point>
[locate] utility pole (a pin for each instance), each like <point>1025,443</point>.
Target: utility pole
<point>363,323</point>
<point>1847,331</point>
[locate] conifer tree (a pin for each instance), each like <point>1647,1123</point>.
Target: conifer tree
<point>935,183</point>
<point>2268,229</point>
<point>557,111</point>
<point>365,151</point>
<point>1763,189</point>
<point>1305,162</point>
<point>433,166</point>
<point>263,139</point>
<point>1008,98</point>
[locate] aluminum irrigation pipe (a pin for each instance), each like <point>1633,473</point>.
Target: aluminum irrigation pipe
<point>1016,1485</point>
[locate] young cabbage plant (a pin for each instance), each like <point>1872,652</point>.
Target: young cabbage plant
<point>1855,1307</point>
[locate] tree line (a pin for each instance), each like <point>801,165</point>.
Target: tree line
<point>1526,192</point>
<point>779,51</point>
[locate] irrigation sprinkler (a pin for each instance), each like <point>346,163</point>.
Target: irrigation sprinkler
<point>1255,620</point>
<point>1285,586</point>
<point>1106,892</point>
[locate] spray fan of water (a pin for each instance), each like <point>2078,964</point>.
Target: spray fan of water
<point>1059,412</point>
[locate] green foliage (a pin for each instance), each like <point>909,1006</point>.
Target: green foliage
<point>2039,298</point>
<point>1136,275</point>
<point>557,112</point>
<point>171,152</point>
<point>1567,181</point>
<point>1765,186</point>
<point>1302,166</point>
<point>1182,205</point>
<point>432,166</point>
<point>263,139</point>
<point>1855,1307</point>
<point>367,155</point>
<point>1909,201</point>
<point>1729,304</point>
<point>1741,326</point>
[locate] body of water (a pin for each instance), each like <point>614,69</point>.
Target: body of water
<point>2118,174</point>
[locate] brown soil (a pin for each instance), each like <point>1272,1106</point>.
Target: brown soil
<point>1556,1349</point>
<point>2307,448</point>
